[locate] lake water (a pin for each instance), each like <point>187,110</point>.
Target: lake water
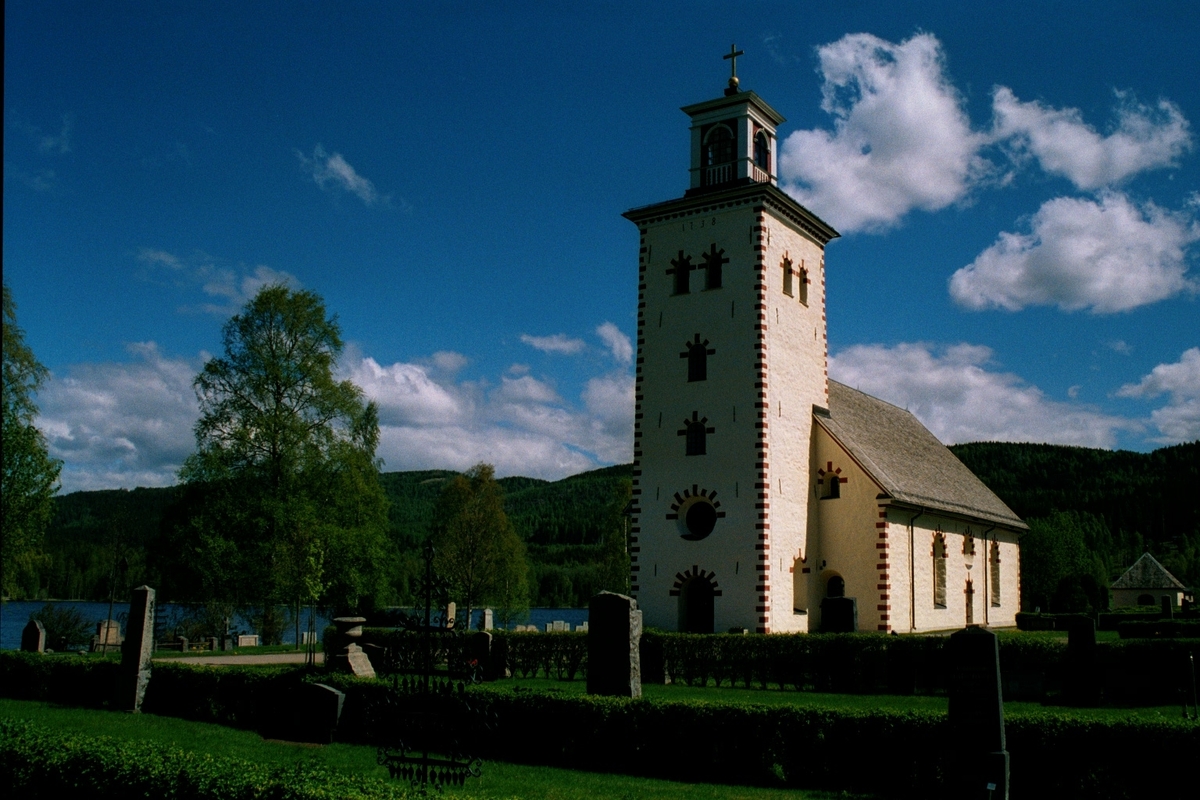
<point>14,615</point>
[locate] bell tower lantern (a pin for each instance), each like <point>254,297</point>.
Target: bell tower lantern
<point>733,138</point>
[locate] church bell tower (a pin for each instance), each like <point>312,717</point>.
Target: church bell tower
<point>731,365</point>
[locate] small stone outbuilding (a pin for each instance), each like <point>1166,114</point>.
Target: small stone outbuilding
<point>1145,584</point>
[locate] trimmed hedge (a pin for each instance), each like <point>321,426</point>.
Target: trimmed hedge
<point>886,752</point>
<point>38,762</point>
<point>849,663</point>
<point>1168,628</point>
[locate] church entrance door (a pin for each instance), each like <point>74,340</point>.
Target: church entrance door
<point>696,610</point>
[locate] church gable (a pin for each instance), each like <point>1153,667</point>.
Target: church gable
<point>908,461</point>
<point>1147,573</point>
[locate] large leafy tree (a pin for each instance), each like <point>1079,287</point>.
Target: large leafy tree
<point>30,475</point>
<point>282,501</point>
<point>477,550</point>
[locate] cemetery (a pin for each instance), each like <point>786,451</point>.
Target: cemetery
<point>1045,715</point>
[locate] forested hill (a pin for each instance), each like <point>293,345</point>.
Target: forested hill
<point>1114,503</point>
<point>562,523</point>
<point>571,511</point>
<point>1156,494</point>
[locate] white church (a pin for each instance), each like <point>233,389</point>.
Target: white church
<point>761,487</point>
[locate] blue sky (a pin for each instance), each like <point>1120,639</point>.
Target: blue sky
<point>1017,185</point>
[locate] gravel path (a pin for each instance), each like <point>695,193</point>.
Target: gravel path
<point>265,658</point>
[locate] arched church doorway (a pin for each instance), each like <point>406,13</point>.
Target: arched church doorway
<point>835,587</point>
<point>696,606</point>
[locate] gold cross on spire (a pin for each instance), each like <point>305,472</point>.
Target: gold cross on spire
<point>733,78</point>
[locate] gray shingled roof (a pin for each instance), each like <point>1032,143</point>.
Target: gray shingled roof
<point>908,461</point>
<point>1147,573</point>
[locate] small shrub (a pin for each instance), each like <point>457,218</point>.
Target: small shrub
<point>66,629</point>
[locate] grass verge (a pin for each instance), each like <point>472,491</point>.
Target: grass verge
<point>499,780</point>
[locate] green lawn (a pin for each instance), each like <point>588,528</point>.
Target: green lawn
<point>499,780</point>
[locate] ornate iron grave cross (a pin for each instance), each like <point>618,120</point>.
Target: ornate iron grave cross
<point>428,719</point>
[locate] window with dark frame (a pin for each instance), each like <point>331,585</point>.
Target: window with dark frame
<point>939,571</point>
<point>696,430</point>
<point>719,148</point>
<point>762,152</point>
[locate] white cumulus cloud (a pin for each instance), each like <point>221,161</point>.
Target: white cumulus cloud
<point>232,286</point>
<point>900,141</point>
<point>557,343</point>
<point>617,342</point>
<point>1144,138</point>
<point>1179,420</point>
<point>522,425</point>
<point>131,424</point>
<point>1107,255</point>
<point>121,424</point>
<point>334,171</point>
<point>954,394</point>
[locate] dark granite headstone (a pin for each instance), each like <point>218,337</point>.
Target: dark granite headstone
<point>614,637</point>
<point>33,637</point>
<point>1081,683</point>
<point>315,709</point>
<point>137,649</point>
<point>978,758</point>
<point>1168,608</point>
<point>839,615</point>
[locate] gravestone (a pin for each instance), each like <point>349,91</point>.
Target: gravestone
<point>614,639</point>
<point>33,637</point>
<point>839,615</point>
<point>978,766</point>
<point>108,636</point>
<point>582,627</point>
<point>316,709</point>
<point>488,619</point>
<point>247,640</point>
<point>451,615</point>
<point>1081,683</point>
<point>136,652</point>
<point>1168,608</point>
<point>352,659</point>
<point>214,643</point>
